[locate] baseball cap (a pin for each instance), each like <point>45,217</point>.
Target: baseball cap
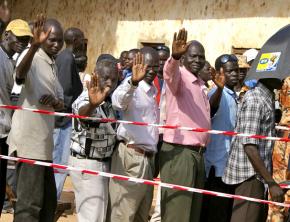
<point>251,54</point>
<point>19,28</point>
<point>242,61</point>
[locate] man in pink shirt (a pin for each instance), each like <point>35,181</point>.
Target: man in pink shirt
<point>181,157</point>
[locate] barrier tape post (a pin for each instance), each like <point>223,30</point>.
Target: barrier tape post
<point>143,181</point>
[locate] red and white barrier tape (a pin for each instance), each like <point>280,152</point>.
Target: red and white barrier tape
<point>199,130</point>
<point>142,181</point>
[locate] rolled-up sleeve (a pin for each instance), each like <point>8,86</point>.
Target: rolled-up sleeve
<point>171,74</point>
<point>81,101</point>
<point>251,120</point>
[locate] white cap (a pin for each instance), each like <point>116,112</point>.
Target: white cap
<point>251,54</point>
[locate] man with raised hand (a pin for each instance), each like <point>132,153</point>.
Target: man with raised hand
<point>31,133</point>
<point>181,156</point>
<point>93,142</point>
<point>134,156</point>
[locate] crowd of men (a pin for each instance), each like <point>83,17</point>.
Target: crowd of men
<point>151,85</point>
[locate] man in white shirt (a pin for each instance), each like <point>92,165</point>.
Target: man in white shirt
<point>134,155</point>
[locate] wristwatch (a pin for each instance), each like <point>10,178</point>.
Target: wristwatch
<point>131,84</point>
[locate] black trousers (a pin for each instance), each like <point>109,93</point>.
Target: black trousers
<point>3,171</point>
<point>36,194</point>
<point>217,209</point>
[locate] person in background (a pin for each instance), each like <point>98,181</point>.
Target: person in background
<point>68,76</point>
<point>244,68</point>
<point>127,72</point>
<point>15,39</point>
<point>123,64</point>
<point>280,156</point>
<point>5,16</point>
<point>206,75</point>
<point>164,54</point>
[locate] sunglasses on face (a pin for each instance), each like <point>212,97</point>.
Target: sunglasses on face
<point>228,58</point>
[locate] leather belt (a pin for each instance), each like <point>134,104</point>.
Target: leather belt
<point>198,149</point>
<point>141,151</point>
<point>77,155</point>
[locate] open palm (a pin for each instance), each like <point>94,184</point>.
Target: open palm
<point>218,77</point>
<point>39,35</point>
<point>179,45</point>
<point>96,94</point>
<point>138,69</point>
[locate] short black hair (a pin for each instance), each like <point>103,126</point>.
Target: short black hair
<point>135,51</point>
<point>108,57</point>
<point>72,33</point>
<point>106,69</point>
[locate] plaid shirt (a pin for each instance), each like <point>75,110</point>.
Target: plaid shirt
<point>256,116</point>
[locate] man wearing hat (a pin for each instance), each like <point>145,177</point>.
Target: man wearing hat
<point>15,39</point>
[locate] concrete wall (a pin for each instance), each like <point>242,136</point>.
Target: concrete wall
<point>115,25</point>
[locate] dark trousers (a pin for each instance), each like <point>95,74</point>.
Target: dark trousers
<point>246,211</point>
<point>3,171</point>
<point>157,158</point>
<point>182,166</point>
<point>36,194</point>
<point>216,209</point>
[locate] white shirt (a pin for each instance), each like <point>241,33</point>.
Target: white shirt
<point>137,104</point>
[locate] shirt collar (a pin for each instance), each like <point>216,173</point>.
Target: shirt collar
<point>229,91</point>
<point>43,54</point>
<point>146,86</point>
<point>5,52</point>
<point>191,77</point>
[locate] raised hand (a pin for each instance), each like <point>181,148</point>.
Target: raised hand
<point>39,35</point>
<point>218,77</point>
<point>179,45</point>
<point>138,69</point>
<point>96,93</point>
<point>5,14</point>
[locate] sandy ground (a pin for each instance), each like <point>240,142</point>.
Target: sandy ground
<point>67,195</point>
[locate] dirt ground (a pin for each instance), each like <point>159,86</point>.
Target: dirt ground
<point>67,196</point>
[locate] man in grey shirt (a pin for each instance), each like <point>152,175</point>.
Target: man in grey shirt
<point>32,133</point>
<point>15,39</point>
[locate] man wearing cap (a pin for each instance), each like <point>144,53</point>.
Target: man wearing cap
<point>15,39</point>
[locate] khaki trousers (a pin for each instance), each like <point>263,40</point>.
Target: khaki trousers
<point>246,211</point>
<point>130,201</point>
